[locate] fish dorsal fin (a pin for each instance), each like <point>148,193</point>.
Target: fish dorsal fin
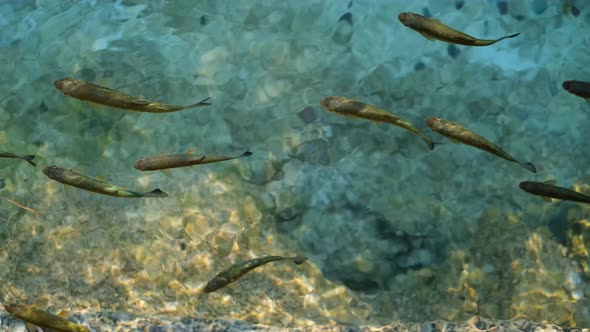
<point>140,101</point>
<point>550,182</point>
<point>427,36</point>
<point>100,178</point>
<point>63,314</point>
<point>200,160</point>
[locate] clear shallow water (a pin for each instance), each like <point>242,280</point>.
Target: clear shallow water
<point>392,230</point>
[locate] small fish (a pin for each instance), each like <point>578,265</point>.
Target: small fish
<point>101,95</point>
<point>27,158</point>
<point>548,190</point>
<point>351,108</point>
<point>165,161</point>
<point>578,88</point>
<point>433,29</point>
<point>75,179</point>
<point>35,317</point>
<point>459,134</point>
<point>237,270</point>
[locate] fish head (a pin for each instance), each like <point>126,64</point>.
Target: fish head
<point>333,104</point>
<point>139,164</point>
<point>214,285</point>
<point>525,185</point>
<point>435,123</point>
<point>17,309</point>
<point>53,171</point>
<point>67,85</point>
<point>571,86</point>
<point>408,19</point>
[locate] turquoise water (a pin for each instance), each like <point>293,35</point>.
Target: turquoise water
<point>392,230</point>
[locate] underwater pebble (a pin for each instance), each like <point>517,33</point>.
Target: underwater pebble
<point>556,124</point>
<point>453,51</point>
<point>307,115</point>
<point>503,7</point>
<point>124,322</point>
<point>539,6</point>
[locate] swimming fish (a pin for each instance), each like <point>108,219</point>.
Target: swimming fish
<point>351,108</point>
<point>459,134</point>
<point>237,270</point>
<point>78,180</point>
<point>548,190</point>
<point>165,161</point>
<point>434,29</point>
<point>27,158</point>
<point>101,95</point>
<point>578,88</point>
<point>36,317</point>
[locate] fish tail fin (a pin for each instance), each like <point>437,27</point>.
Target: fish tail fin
<point>506,37</point>
<point>203,102</point>
<point>245,154</point>
<point>298,260</point>
<point>529,166</point>
<point>156,193</point>
<point>29,159</point>
<point>487,42</point>
<point>428,142</point>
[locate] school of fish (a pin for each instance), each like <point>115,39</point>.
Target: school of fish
<point>430,28</point>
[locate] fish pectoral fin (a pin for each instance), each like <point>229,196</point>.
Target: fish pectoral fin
<point>30,327</point>
<point>191,151</point>
<point>427,36</point>
<point>546,199</point>
<point>140,101</point>
<point>167,173</point>
<point>456,141</point>
<point>550,182</point>
<point>68,192</point>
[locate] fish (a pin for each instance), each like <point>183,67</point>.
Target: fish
<point>548,190</point>
<point>460,134</point>
<point>237,270</point>
<point>28,158</point>
<point>356,109</point>
<point>578,88</point>
<point>87,91</point>
<point>433,29</point>
<point>78,180</point>
<point>166,161</point>
<point>35,317</point>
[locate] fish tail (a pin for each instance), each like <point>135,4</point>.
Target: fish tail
<point>29,159</point>
<point>155,193</point>
<point>245,154</point>
<point>429,143</point>
<point>426,140</point>
<point>203,102</point>
<point>506,37</point>
<point>487,42</point>
<point>299,259</point>
<point>529,166</point>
